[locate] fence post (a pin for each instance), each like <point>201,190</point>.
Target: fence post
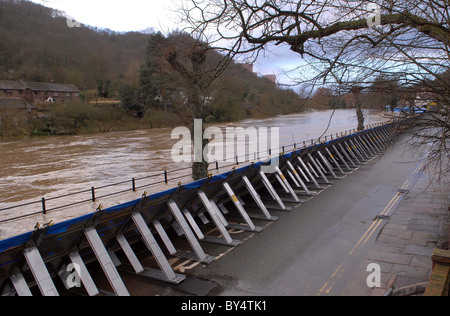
<point>133,182</point>
<point>93,194</point>
<point>165,177</point>
<point>44,209</point>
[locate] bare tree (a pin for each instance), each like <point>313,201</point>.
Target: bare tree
<point>344,43</point>
<point>194,61</point>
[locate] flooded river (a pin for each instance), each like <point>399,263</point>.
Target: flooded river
<point>50,167</point>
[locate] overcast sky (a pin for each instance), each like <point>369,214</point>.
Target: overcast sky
<point>138,15</point>
<point>119,15</point>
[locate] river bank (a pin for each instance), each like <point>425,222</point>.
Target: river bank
<point>38,166</point>
<point>80,119</point>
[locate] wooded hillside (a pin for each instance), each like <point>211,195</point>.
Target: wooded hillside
<point>36,41</point>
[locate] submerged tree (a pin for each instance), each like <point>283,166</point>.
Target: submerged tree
<point>198,67</point>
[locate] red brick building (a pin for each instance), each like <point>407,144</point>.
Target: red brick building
<point>38,92</point>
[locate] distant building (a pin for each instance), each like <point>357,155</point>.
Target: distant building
<point>11,89</point>
<point>38,92</point>
<point>271,78</point>
<point>250,68</point>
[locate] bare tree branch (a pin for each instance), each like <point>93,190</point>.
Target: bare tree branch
<point>339,47</point>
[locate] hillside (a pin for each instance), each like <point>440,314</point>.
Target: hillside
<point>36,41</point>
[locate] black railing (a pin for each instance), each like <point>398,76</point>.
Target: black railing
<point>161,178</point>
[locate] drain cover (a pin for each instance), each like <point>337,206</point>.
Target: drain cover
<point>403,281</point>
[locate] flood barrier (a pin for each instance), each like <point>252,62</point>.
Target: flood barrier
<point>49,254</point>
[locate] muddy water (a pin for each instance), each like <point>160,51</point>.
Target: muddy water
<point>54,166</point>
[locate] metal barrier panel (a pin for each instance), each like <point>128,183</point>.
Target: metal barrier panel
<point>40,272</point>
<point>106,262</point>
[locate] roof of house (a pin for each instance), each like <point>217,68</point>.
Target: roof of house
<point>53,87</point>
<point>38,86</point>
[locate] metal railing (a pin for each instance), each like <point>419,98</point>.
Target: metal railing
<point>92,194</point>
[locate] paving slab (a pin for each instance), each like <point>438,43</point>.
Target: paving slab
<point>417,226</point>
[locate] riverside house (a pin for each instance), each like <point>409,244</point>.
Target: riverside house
<point>21,100</point>
<point>38,92</point>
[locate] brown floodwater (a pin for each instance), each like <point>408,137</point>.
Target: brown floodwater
<point>49,167</point>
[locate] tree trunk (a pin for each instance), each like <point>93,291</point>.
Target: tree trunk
<point>195,78</point>
<point>358,104</point>
<point>360,116</point>
<point>200,169</point>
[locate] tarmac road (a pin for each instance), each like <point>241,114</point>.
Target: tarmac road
<point>316,248</point>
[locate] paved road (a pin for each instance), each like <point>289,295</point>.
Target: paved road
<point>324,246</point>
<point>318,247</point>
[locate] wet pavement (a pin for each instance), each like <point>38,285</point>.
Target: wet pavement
<point>385,213</point>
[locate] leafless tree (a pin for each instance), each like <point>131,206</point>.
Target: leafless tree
<point>196,63</point>
<point>345,43</point>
